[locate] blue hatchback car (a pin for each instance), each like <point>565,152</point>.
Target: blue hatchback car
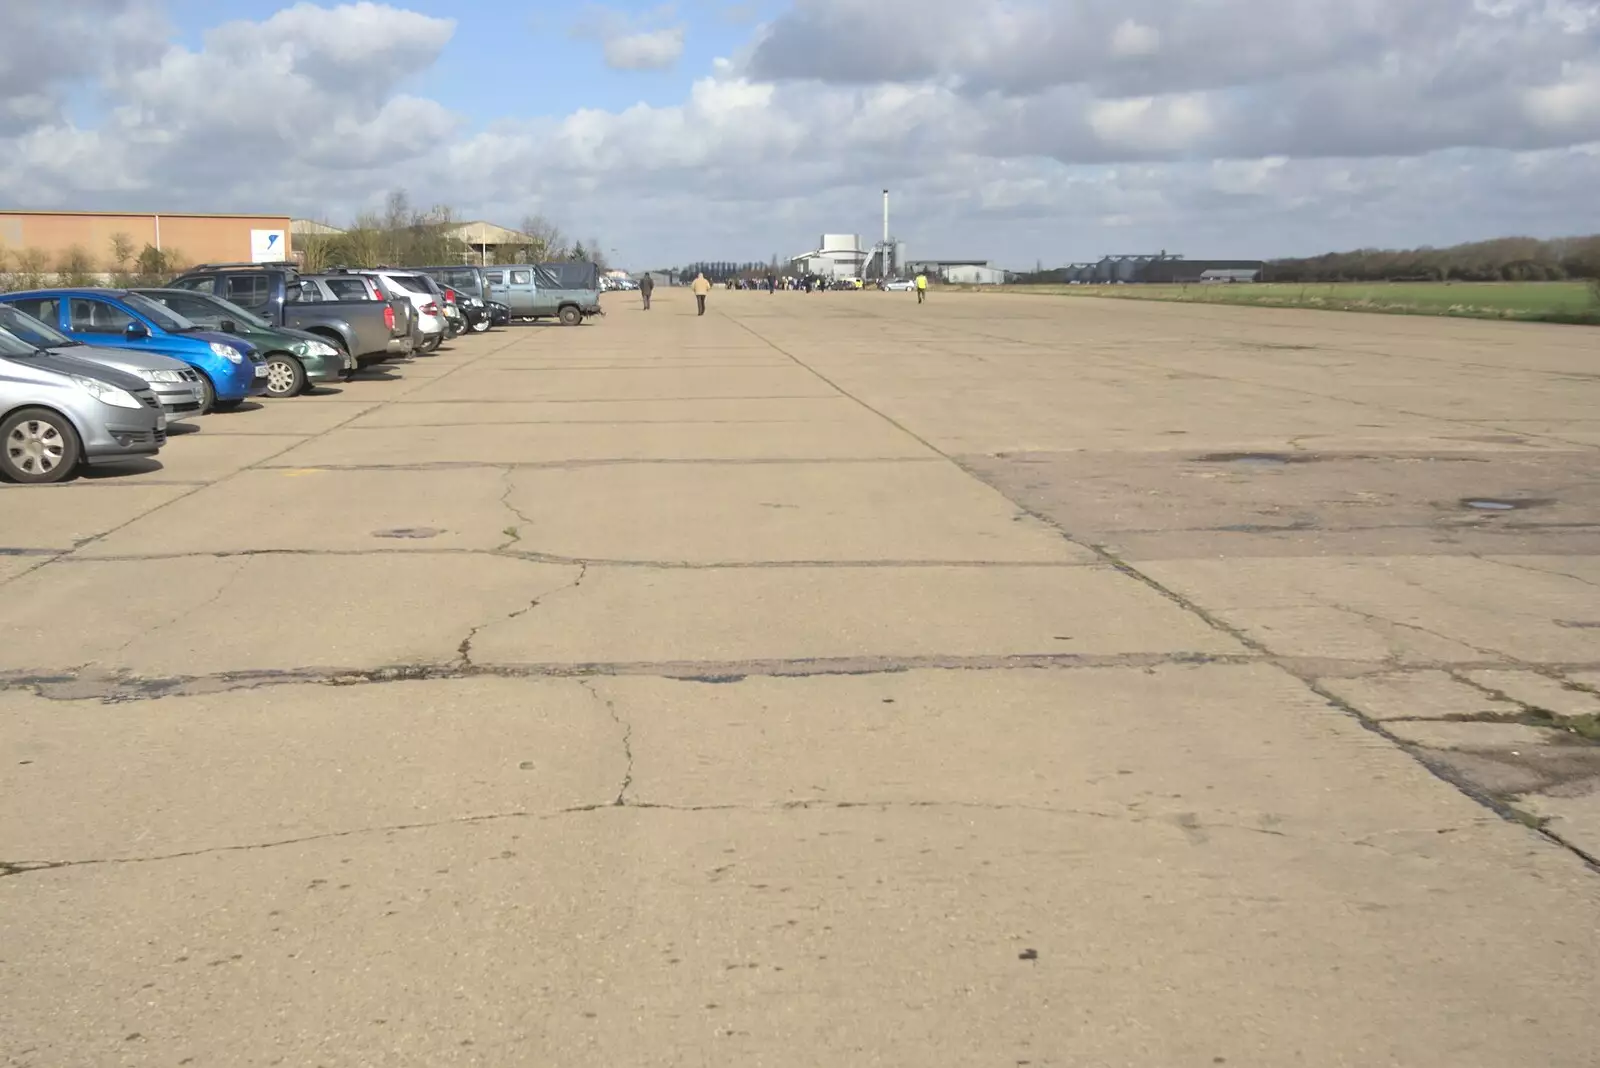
<point>231,369</point>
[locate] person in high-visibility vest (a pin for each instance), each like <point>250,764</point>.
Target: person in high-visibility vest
<point>922,287</point>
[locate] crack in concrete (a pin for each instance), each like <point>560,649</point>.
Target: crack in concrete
<point>153,630</point>
<point>1548,572</point>
<point>1187,823</point>
<point>538,557</point>
<point>514,533</point>
<point>614,461</point>
<point>626,727</point>
<point>464,649</point>
<point>74,684</point>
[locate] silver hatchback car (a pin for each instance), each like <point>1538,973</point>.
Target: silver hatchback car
<point>57,412</point>
<point>175,384</point>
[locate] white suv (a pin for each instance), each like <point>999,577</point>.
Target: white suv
<point>430,317</point>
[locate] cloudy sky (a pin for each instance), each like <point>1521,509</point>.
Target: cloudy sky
<point>1018,130</point>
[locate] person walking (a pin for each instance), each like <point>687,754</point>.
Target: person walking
<point>922,287</point>
<point>702,289</point>
<point>647,285</point>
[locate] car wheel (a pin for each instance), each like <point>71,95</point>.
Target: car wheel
<point>208,395</point>
<point>434,342</point>
<point>480,326</point>
<point>38,445</point>
<point>285,376</point>
<point>571,316</point>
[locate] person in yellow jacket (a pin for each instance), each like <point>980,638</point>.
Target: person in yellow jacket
<point>702,289</point>
<point>922,287</point>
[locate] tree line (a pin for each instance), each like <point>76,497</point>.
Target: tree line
<point>404,235</point>
<point>1505,259</point>
<point>119,265</point>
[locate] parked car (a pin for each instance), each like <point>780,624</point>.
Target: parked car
<point>430,316</point>
<point>231,370</point>
<point>295,358</point>
<point>278,294</point>
<point>350,285</point>
<point>473,292</point>
<point>175,384</point>
<point>569,292</point>
<point>899,285</point>
<point>58,412</point>
<point>499,314</point>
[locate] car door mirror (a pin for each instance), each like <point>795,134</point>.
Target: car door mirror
<point>135,331</point>
<point>228,326</point>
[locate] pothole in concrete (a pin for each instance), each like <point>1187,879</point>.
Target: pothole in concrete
<point>408,532</point>
<point>1497,504</point>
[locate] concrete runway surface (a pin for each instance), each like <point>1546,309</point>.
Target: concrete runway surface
<point>827,681</point>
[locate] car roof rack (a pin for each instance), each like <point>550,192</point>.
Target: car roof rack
<point>279,266</point>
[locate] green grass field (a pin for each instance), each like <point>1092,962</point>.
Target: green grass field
<point>1558,302</point>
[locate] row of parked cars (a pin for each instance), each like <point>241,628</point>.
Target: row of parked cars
<point>90,375</point>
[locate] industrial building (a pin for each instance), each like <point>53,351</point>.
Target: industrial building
<point>837,256</point>
<point>843,255</point>
<point>187,237</point>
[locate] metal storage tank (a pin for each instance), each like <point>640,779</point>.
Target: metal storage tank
<point>841,242</point>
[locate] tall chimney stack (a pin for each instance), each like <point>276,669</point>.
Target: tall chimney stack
<point>885,216</point>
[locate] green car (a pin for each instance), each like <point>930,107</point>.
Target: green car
<point>295,358</point>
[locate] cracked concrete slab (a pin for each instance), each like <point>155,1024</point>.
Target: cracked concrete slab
<point>207,457</point>
<point>1424,694</point>
<point>711,513</point>
<point>799,936</point>
<point>653,384</point>
<point>301,509</point>
<point>205,615</point>
<point>537,442</point>
<point>1288,502</point>
<point>809,612</point>
<point>306,414</point>
<point>1410,610</point>
<point>1074,741</point>
<point>1539,691</point>
<point>409,753</point>
<point>1087,804</point>
<point>732,412</point>
<point>61,517</point>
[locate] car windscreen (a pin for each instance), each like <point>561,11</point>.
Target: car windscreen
<point>12,346</point>
<point>158,313</point>
<point>230,310</point>
<point>26,327</point>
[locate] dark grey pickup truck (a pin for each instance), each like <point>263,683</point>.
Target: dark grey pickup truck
<point>369,330</point>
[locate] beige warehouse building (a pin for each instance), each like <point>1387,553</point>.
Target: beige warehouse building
<point>193,238</point>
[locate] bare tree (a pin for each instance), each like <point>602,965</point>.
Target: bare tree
<point>31,265</point>
<point>549,243</point>
<point>122,249</point>
<point>75,267</point>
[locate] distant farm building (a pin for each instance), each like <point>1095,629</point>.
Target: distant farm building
<point>959,272</point>
<point>1154,268</point>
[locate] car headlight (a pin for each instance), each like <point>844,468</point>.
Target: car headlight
<point>105,392</point>
<point>313,348</point>
<point>227,352</point>
<point>160,376</point>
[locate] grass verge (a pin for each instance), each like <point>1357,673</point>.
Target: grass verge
<point>1543,302</point>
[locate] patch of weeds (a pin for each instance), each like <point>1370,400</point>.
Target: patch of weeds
<point>1586,726</point>
<point>514,533</point>
<point>1526,818</point>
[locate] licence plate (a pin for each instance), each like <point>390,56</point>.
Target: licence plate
<point>261,370</point>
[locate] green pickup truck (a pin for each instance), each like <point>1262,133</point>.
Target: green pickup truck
<point>295,358</point>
